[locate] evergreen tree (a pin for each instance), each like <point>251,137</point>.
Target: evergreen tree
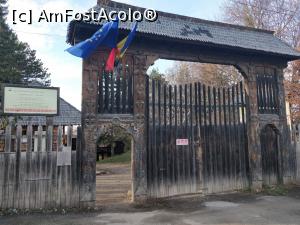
<point>18,63</point>
<point>156,75</point>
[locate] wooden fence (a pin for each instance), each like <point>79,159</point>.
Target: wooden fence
<point>295,156</point>
<point>214,122</point>
<point>42,176</point>
<point>115,91</point>
<point>267,94</point>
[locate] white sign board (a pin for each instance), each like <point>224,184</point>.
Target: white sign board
<point>182,142</point>
<point>64,157</point>
<point>30,100</point>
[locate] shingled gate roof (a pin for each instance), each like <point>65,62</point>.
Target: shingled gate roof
<point>200,31</point>
<point>68,115</point>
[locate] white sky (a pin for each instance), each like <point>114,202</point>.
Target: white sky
<point>48,39</point>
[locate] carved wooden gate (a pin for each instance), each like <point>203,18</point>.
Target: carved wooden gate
<point>213,123</point>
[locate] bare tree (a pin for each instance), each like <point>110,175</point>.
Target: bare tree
<point>281,16</point>
<point>209,74</point>
<point>292,86</point>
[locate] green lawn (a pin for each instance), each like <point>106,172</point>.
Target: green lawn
<point>123,158</point>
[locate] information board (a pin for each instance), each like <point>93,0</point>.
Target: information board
<point>30,100</point>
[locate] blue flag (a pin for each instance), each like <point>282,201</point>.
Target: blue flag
<point>106,36</point>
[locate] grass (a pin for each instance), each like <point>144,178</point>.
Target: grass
<point>275,190</point>
<point>123,158</point>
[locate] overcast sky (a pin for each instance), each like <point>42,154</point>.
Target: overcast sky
<point>48,39</point>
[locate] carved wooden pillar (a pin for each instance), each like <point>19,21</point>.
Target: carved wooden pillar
<point>254,148</point>
<point>139,157</point>
<point>90,73</point>
<point>286,151</point>
<point>139,162</point>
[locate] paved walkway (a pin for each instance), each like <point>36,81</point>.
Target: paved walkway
<point>237,208</point>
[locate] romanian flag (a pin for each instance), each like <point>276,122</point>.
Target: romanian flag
<point>117,53</point>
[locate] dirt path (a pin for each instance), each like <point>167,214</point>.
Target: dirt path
<point>113,183</point>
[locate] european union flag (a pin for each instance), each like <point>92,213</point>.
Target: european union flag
<point>106,36</point>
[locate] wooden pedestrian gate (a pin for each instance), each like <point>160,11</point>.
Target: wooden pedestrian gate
<point>214,122</point>
<point>269,155</point>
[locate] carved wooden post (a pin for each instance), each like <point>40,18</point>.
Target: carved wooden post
<point>286,151</point>
<point>139,161</point>
<point>253,131</point>
<point>90,73</point>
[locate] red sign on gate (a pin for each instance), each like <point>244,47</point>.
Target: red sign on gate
<point>182,142</point>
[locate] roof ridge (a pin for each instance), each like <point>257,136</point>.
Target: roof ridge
<point>121,5</point>
<point>73,107</point>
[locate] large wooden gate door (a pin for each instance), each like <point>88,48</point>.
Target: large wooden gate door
<point>213,156</point>
<point>269,155</point>
<point>171,169</point>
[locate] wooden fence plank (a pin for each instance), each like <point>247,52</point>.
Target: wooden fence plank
<point>61,198</point>
<point>221,141</point>
<point>39,167</point>
<point>1,178</point>
<point>155,169</point>
<point>206,142</point>
<point>176,159</point>
<point>240,162</point>
<point>17,183</point>
<point>193,124</point>
<point>201,138</point>
<point>210,145</point>
<point>165,153</point>
<point>124,92</point>
<point>78,163</point>
<point>180,154</point>
<point>49,150</point>
<point>171,143</point>
<point>234,135</point>
<point>149,139</point>
<point>159,141</point>
<point>68,189</point>
<point>100,89</point>
<point>214,143</point>
<point>7,149</point>
<point>11,179</point>
<point>245,142</point>
<point>28,166</point>
<point>130,90</point>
